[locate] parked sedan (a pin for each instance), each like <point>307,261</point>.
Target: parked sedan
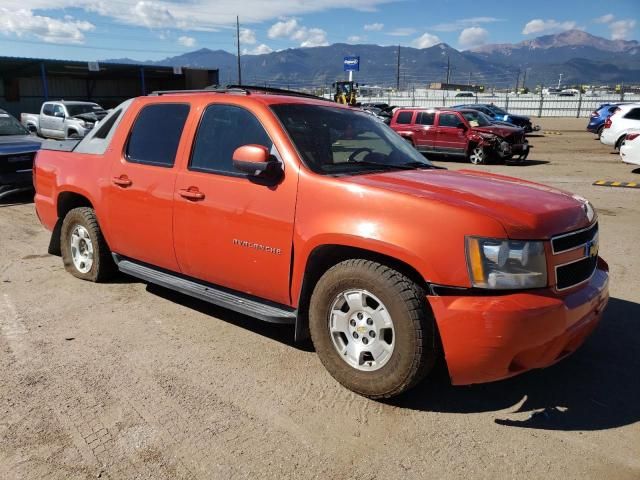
<point>599,116</point>
<point>17,151</point>
<point>498,114</point>
<point>630,148</point>
<point>624,119</point>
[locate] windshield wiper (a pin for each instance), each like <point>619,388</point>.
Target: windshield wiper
<point>418,164</point>
<point>395,166</point>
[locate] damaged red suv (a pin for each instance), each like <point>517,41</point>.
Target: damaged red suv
<point>463,133</point>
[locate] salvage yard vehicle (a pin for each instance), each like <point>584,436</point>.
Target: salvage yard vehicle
<point>624,118</point>
<point>64,119</point>
<point>498,114</point>
<point>630,148</point>
<point>599,116</point>
<point>17,150</point>
<point>293,209</point>
<point>461,133</point>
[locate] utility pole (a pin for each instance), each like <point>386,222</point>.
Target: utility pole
<point>559,81</point>
<point>448,70</point>
<point>398,72</point>
<point>524,79</point>
<point>238,34</point>
<point>517,81</point>
<point>469,79</point>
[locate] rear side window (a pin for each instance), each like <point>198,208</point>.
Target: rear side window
<point>156,134</point>
<point>634,114</point>
<point>404,118</point>
<point>224,128</point>
<point>426,118</point>
<point>48,109</point>
<point>449,120</point>
<point>105,127</point>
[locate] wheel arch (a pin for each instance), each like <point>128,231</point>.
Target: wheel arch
<point>65,202</point>
<point>323,257</point>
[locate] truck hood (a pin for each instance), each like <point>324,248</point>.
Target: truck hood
<point>526,210</point>
<point>91,116</point>
<point>16,144</point>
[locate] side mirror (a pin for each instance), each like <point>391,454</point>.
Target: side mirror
<point>58,114</point>
<point>255,160</point>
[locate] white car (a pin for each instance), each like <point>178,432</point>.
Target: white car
<point>630,149</point>
<point>624,119</point>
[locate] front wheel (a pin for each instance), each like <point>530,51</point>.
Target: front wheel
<point>371,328</point>
<point>620,142</point>
<point>477,155</point>
<point>85,253</point>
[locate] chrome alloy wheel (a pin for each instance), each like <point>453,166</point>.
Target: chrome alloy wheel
<point>361,329</point>
<point>477,155</point>
<point>81,249</point>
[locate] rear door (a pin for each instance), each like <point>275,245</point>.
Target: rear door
<point>45,120</point>
<point>140,189</point>
<point>451,139</point>
<point>231,229</point>
<point>425,131</point>
<point>57,121</point>
<point>403,123</point>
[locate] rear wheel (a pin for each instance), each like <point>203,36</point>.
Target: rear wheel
<point>85,253</point>
<point>620,142</point>
<point>371,328</point>
<point>477,155</point>
<point>599,132</point>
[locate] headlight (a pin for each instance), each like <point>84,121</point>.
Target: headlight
<point>506,264</point>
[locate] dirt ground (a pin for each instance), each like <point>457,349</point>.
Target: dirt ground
<point>125,380</point>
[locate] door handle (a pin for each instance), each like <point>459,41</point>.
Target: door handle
<point>191,193</point>
<point>122,181</point>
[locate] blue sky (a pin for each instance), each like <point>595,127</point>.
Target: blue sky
<point>155,29</point>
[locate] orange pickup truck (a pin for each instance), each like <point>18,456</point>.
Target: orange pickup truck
<point>296,210</point>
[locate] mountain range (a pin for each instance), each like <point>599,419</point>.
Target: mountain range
<point>580,57</point>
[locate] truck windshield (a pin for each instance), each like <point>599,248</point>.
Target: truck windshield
<point>476,119</point>
<point>80,109</point>
<point>339,141</point>
<point>11,126</point>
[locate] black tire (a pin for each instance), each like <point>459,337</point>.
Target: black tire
<point>414,353</point>
<point>477,155</point>
<point>599,132</point>
<point>103,266</point>
<point>620,142</point>
<point>74,135</point>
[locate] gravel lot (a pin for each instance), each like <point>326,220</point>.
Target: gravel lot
<point>125,380</point>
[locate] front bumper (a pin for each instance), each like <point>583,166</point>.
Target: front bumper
<point>487,338</point>
<point>506,149</point>
<point>15,182</point>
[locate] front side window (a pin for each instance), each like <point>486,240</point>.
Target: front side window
<point>449,120</point>
<point>156,133</point>
<point>426,118</point>
<point>339,141</point>
<point>222,130</point>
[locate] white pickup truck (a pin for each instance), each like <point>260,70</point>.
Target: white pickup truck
<point>64,119</point>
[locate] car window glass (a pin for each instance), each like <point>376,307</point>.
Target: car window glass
<point>57,109</point>
<point>105,127</point>
<point>426,118</point>
<point>404,118</point>
<point>633,114</point>
<point>48,109</point>
<point>449,120</point>
<point>222,130</point>
<point>156,134</point>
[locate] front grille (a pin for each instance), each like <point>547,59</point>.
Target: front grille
<point>575,273</point>
<point>515,139</point>
<point>563,243</point>
<point>16,163</point>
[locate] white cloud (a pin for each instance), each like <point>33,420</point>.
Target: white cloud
<point>291,29</point>
<point>187,41</point>
<point>621,29</point>
<point>425,40</point>
<point>608,18</point>
<point>247,36</point>
<point>152,14</point>
<point>472,37</point>
<point>373,27</point>
<point>259,50</point>
<point>464,23</point>
<point>538,25</point>
<point>23,23</point>
<point>283,28</point>
<point>354,39</point>
<point>402,32</point>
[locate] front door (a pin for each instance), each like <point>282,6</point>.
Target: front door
<point>424,136</point>
<point>451,138</point>
<point>141,184</point>
<point>230,229</point>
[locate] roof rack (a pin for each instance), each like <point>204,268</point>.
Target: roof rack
<point>243,90</point>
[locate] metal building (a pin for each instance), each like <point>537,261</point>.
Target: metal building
<point>27,82</point>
